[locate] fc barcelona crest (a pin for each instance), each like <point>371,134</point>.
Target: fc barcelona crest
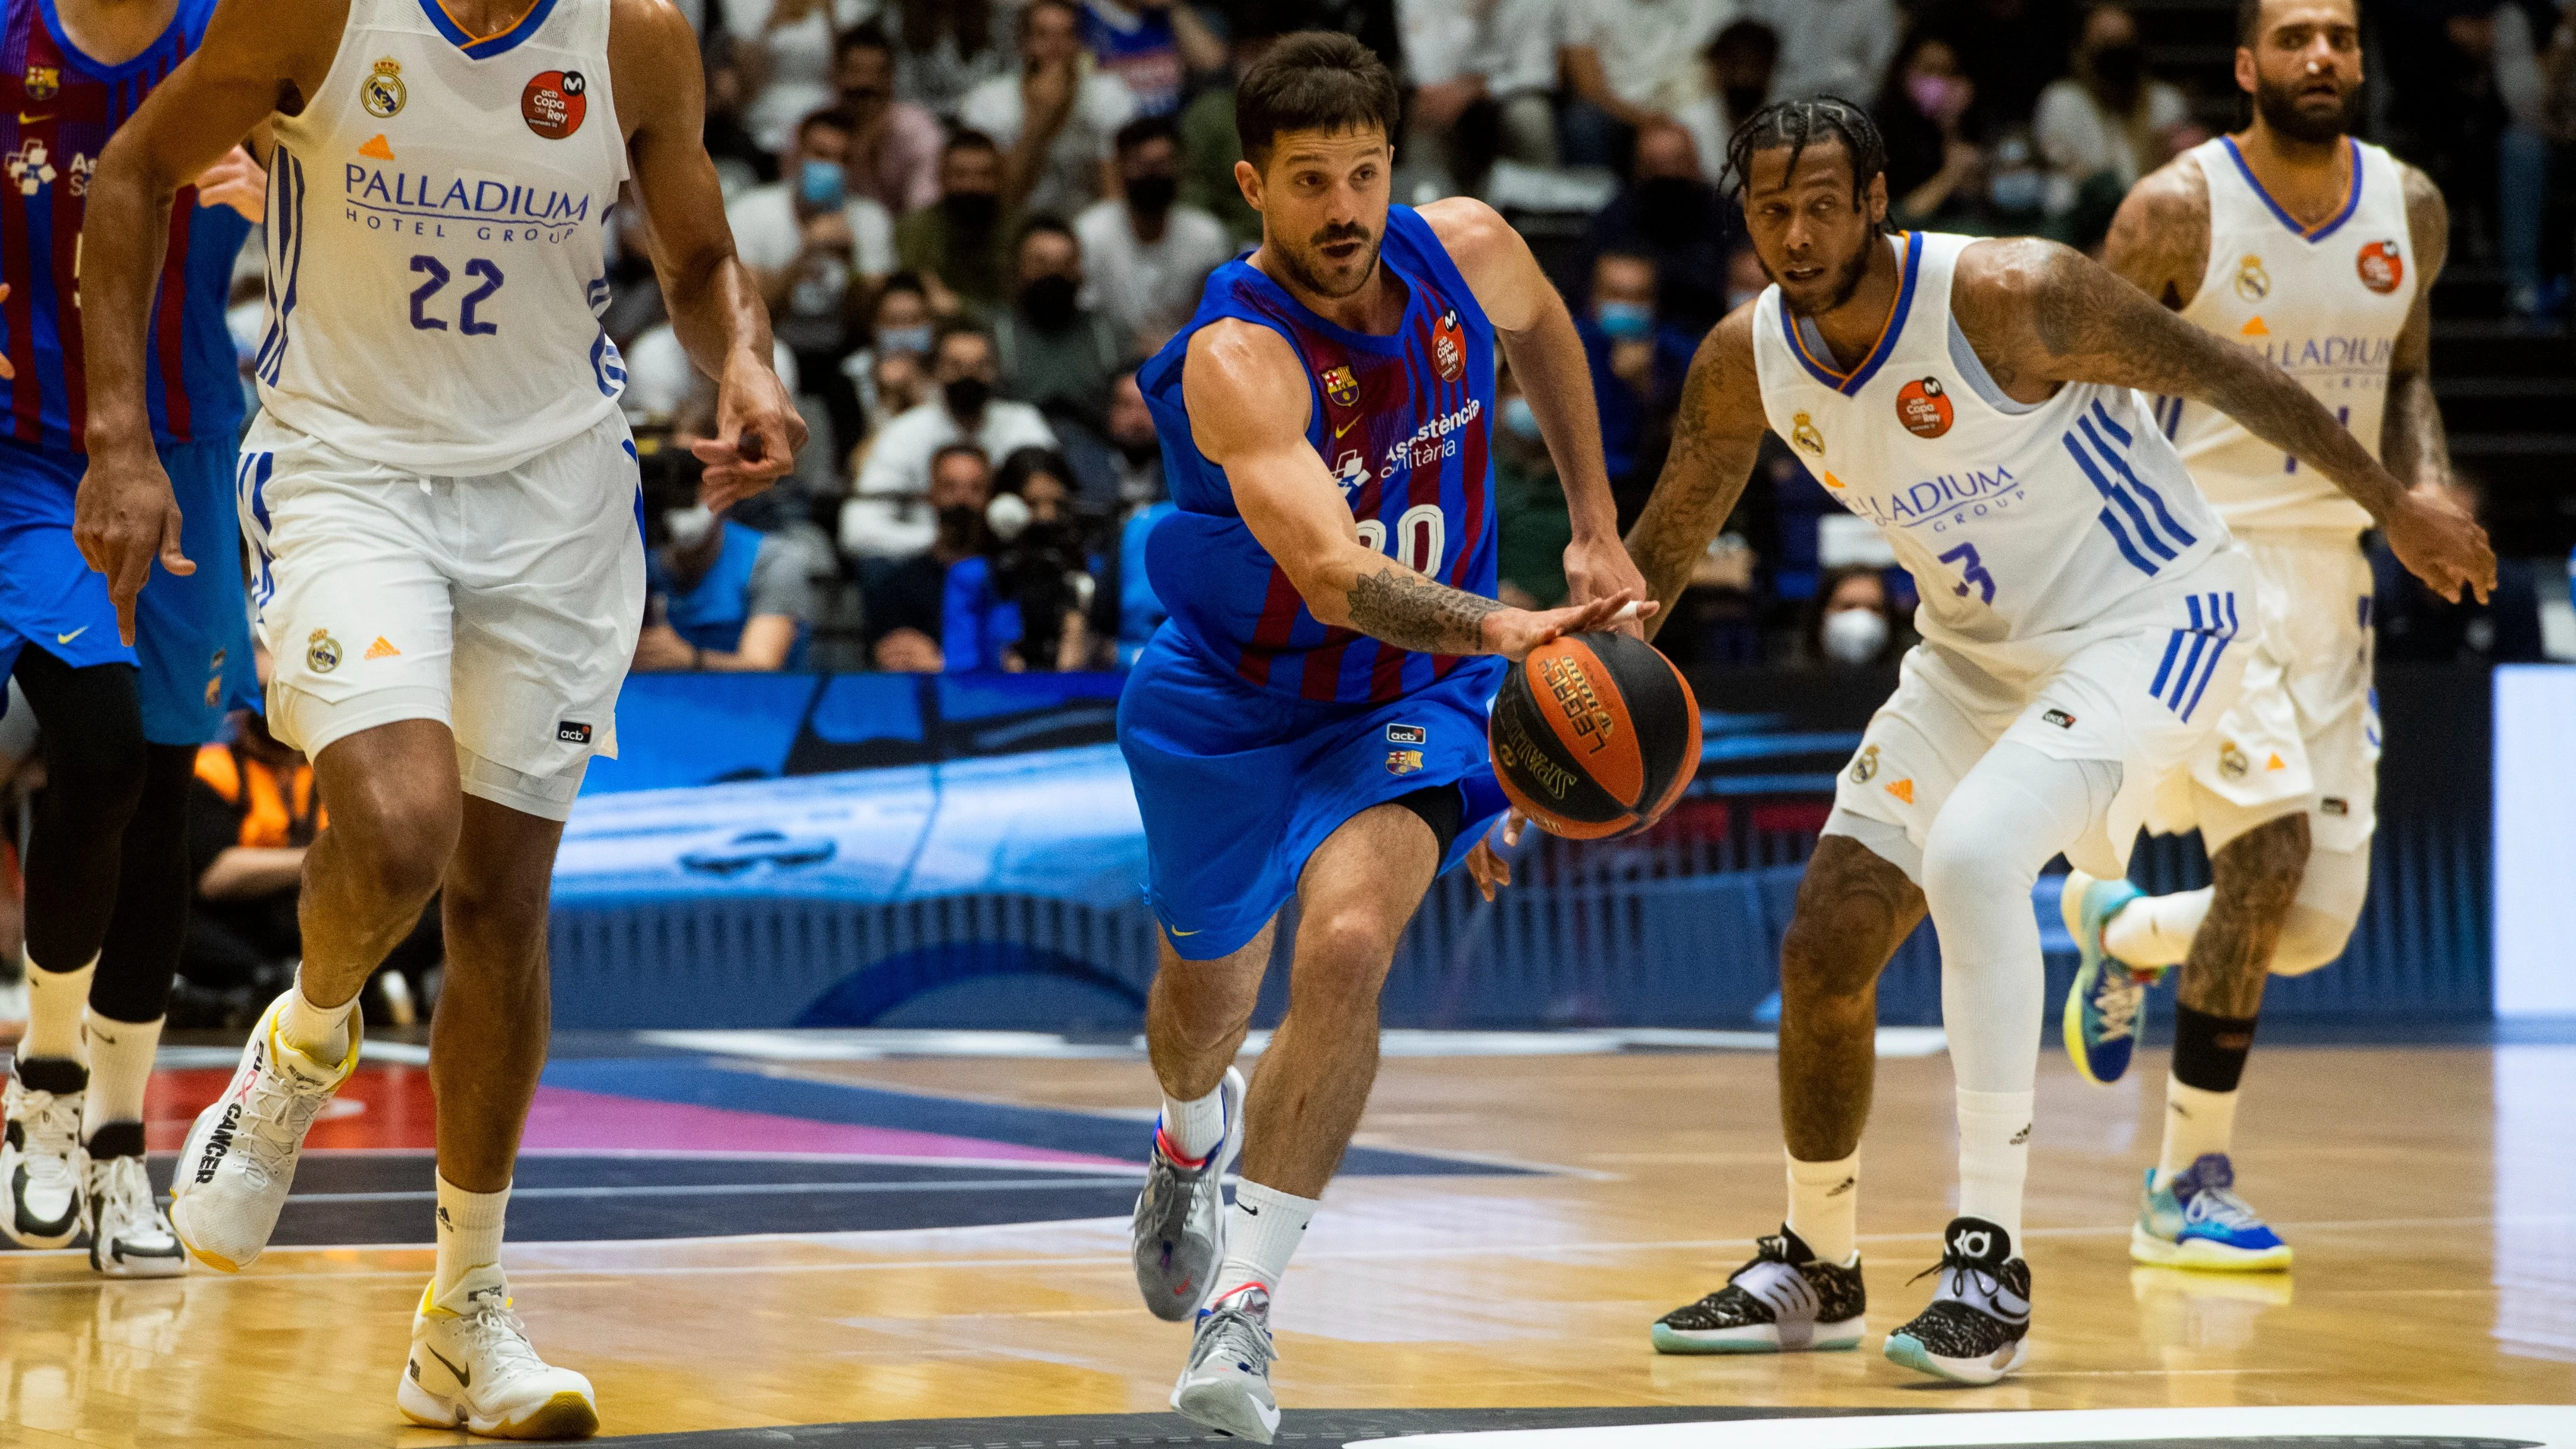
<point>1449,346</point>
<point>1341,385</point>
<point>42,82</point>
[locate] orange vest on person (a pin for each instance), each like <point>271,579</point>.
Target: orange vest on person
<point>278,806</point>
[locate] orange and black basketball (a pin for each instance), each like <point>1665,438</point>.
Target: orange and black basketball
<point>1594,735</point>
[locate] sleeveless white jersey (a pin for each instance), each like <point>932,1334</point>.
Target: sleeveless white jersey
<point>2325,304</point>
<point>435,240</point>
<point>2016,520</point>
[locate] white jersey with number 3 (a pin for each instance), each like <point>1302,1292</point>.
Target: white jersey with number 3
<point>2323,303</point>
<point>2016,520</point>
<point>436,266</point>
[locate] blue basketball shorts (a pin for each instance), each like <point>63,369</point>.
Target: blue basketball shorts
<point>191,634</point>
<point>1238,784</point>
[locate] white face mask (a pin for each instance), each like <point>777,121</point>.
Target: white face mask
<point>689,526</point>
<point>1854,636</point>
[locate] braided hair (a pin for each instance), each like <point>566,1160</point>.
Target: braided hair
<point>1799,124</point>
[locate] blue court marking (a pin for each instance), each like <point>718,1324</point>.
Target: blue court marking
<point>703,1083</point>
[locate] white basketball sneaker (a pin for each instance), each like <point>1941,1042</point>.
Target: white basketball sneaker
<point>239,1161</point>
<point>128,1236</point>
<point>40,1152</point>
<point>472,1368</point>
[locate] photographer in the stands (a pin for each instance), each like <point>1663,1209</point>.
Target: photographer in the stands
<point>1018,605</point>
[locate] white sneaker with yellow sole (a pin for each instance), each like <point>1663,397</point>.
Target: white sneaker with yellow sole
<point>472,1368</point>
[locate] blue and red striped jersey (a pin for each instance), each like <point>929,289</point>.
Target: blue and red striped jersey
<point>1402,420</point>
<point>61,108</point>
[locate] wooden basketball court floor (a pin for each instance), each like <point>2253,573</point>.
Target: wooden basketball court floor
<point>2430,1192</point>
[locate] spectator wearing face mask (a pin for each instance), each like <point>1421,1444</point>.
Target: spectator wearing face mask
<point>907,599</point>
<point>1147,255</point>
<point>1853,623</point>
<point>1742,63</point>
<point>892,372</point>
<point>1931,168</point>
<point>720,596</point>
<point>1669,213</point>
<point>1532,530</point>
<point>894,145</point>
<point>886,517</point>
<point>1054,119</point>
<point>959,247</point>
<point>806,235</point>
<point>1638,363</point>
<point>2109,119</point>
<point>1018,605</point>
<point>1056,354</point>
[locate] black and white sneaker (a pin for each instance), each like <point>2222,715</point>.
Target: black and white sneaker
<point>1976,1329</point>
<point>1787,1300</point>
<point>40,1151</point>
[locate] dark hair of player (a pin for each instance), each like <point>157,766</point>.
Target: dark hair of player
<point>1315,80</point>
<point>1800,124</point>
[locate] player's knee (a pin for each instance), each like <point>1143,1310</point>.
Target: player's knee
<point>398,834</point>
<point>1345,952</point>
<point>2310,939</point>
<point>1820,965</point>
<point>98,767</point>
<point>1963,859</point>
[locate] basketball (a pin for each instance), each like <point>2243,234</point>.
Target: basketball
<point>1594,735</point>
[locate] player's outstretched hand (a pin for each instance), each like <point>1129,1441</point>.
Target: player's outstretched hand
<point>236,181</point>
<point>1515,632</point>
<point>1488,867</point>
<point>2441,544</point>
<point>1598,567</point>
<point>757,434</point>
<point>123,518</point>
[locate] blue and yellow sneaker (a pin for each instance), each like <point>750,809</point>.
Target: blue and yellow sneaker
<point>2101,1024</point>
<point>2198,1221</point>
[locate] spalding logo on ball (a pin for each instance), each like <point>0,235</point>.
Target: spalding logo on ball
<point>1594,735</point>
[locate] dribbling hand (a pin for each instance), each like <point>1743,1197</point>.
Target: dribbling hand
<point>1513,633</point>
<point>123,518</point>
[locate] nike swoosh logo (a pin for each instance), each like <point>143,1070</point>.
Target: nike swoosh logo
<point>1184,933</point>
<point>464,1380</point>
<point>27,120</point>
<point>1344,428</point>
<point>67,638</point>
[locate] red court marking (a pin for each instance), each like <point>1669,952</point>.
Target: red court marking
<point>395,1112</point>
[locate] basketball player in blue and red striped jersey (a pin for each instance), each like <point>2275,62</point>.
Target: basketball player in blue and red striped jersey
<point>1310,721</point>
<point>122,716</point>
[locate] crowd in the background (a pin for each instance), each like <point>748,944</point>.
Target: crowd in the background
<point>973,221</point>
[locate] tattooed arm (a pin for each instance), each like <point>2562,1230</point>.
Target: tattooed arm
<point>2040,314</point>
<point>1249,405</point>
<point>1714,443</point>
<point>2411,440</point>
<point>2160,235</point>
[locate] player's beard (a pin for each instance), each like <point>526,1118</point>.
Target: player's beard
<point>2280,109</point>
<point>1305,276</point>
<point>1844,281</point>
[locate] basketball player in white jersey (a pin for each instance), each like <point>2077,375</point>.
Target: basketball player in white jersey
<point>2081,607</point>
<point>442,496</point>
<point>2317,251</point>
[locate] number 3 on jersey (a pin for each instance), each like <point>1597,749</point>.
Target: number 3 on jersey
<point>1421,537</point>
<point>1972,573</point>
<point>439,277</point>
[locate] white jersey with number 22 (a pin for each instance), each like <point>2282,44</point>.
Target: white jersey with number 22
<point>2017,520</point>
<point>436,267</point>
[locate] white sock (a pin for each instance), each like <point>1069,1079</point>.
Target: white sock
<point>2197,1122</point>
<point>1994,1157</point>
<point>320,1032</point>
<point>55,1000</point>
<point>1195,1128</point>
<point>2155,930</point>
<point>1824,1207</point>
<point>120,1065</point>
<point>1262,1233</point>
<point>469,1232</point>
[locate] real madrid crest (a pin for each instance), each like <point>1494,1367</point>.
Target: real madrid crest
<point>1802,431</point>
<point>2231,761</point>
<point>1865,766</point>
<point>322,652</point>
<point>382,91</point>
<point>2252,282</point>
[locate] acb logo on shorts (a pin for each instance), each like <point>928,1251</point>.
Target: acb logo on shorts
<point>572,732</point>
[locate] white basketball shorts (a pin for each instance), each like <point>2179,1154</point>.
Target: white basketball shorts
<point>505,606</point>
<point>2142,689</point>
<point>2304,732</point>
